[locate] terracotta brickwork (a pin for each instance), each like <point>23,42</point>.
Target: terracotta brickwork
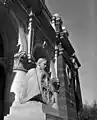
<point>62,94</point>
<point>66,98</point>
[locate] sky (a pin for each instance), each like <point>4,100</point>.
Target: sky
<point>80,18</point>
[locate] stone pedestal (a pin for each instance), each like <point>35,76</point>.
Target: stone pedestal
<point>27,111</point>
<point>33,111</point>
<point>19,77</point>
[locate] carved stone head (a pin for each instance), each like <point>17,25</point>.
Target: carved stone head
<point>42,63</point>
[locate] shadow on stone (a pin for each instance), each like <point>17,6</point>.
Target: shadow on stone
<point>11,97</point>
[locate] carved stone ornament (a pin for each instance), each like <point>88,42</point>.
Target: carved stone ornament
<point>47,89</point>
<point>18,61</point>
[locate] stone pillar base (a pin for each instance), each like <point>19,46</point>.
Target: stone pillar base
<point>33,111</point>
<point>27,111</point>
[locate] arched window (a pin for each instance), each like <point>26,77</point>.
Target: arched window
<point>68,74</point>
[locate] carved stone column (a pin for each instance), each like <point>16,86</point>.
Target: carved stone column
<point>77,88</point>
<point>78,92</point>
<point>30,38</point>
<point>56,80</point>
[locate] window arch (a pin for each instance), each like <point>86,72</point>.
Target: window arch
<point>68,74</point>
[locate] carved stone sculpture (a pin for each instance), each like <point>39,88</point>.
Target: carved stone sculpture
<point>37,85</point>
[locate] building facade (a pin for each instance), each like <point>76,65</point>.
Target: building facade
<point>28,32</point>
